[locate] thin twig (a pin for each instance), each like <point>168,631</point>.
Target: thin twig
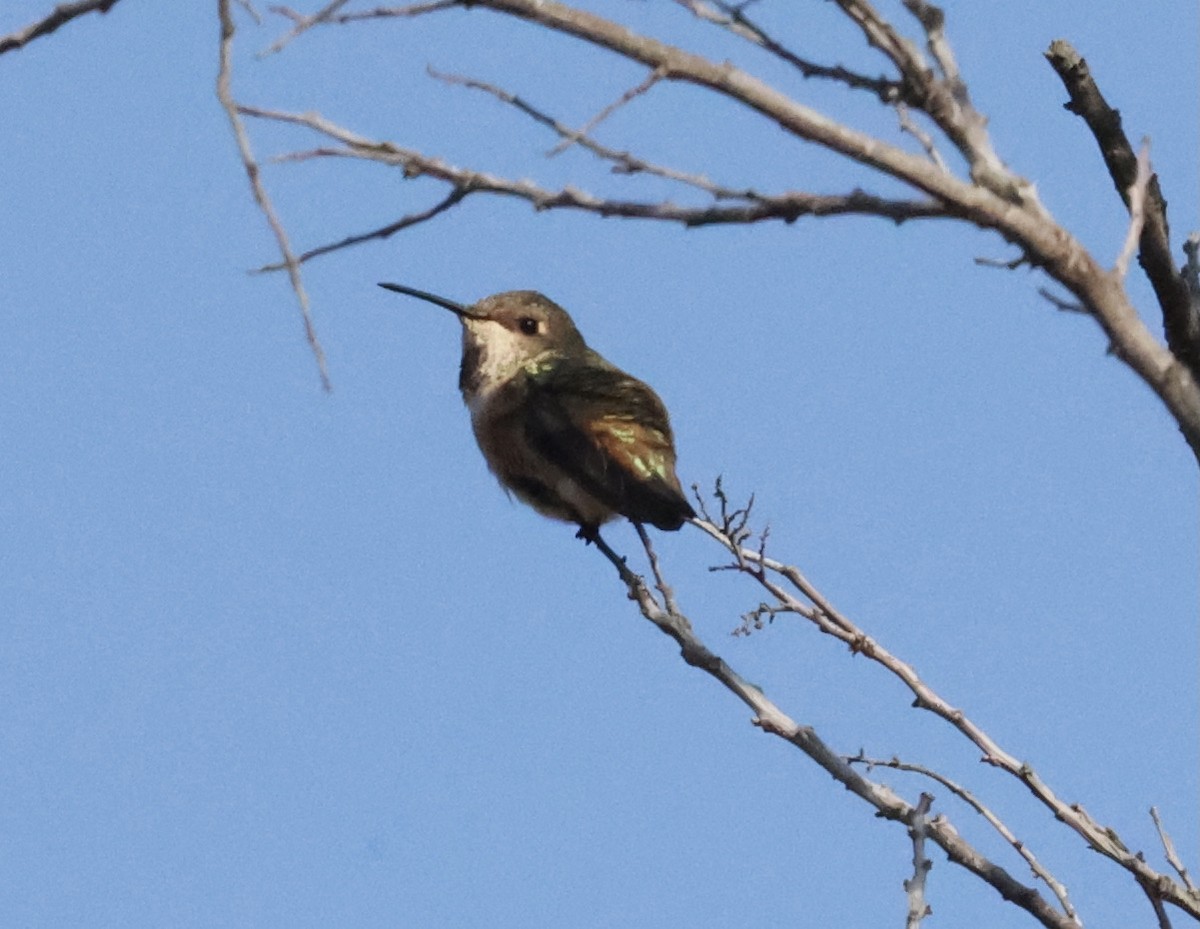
<point>1156,903</point>
<point>994,199</point>
<point>225,95</point>
<point>1056,886</point>
<point>771,719</point>
<point>668,594</point>
<point>832,622</point>
<point>1010,264</point>
<point>628,578</point>
<point>1137,211</point>
<point>301,24</point>
<point>253,13</point>
<point>624,162</point>
<point>786,207</point>
<point>59,16</point>
<point>1154,253</point>
<point>933,21</point>
<point>456,194</point>
<point>1169,848</point>
<point>1061,303</point>
<point>633,93</point>
<point>909,125</point>
<point>393,12</point>
<point>946,99</point>
<point>732,17</point>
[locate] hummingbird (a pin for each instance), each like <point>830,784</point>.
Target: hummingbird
<point>562,428</point>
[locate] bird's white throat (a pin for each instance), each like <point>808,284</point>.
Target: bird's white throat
<point>496,354</point>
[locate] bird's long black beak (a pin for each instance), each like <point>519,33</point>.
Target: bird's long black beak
<point>456,308</point>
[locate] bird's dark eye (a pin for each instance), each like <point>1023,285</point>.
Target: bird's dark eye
<point>528,325</point>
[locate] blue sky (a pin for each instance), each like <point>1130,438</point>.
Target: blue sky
<point>276,657</point>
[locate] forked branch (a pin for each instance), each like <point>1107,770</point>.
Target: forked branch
<point>1154,240</point>
<point>993,197</point>
<point>768,716</point>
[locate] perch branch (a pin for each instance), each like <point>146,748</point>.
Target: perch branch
<point>832,622</point>
<point>773,720</point>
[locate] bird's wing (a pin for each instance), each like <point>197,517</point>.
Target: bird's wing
<point>611,433</point>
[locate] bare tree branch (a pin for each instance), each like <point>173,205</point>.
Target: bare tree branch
<point>945,100</point>
<point>1173,858</point>
<point>771,719</point>
<point>225,95</point>
<point>733,18</point>
<point>302,24</point>
<point>933,21</point>
<point>634,92</point>
<point>786,207</point>
<point>383,232</point>
<point>927,81</point>
<point>1179,322</point>
<point>1136,199</point>
<point>830,621</point>
<point>907,124</point>
<point>1156,903</point>
<point>59,16</point>
<point>1191,270</point>
<point>918,828</point>
<point>1055,885</point>
<point>624,162</point>
<point>994,199</point>
<point>383,12</point>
